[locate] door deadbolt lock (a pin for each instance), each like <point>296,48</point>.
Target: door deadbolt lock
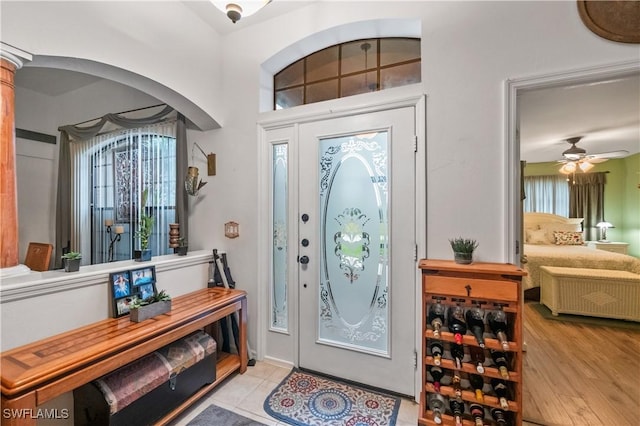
<point>304,242</point>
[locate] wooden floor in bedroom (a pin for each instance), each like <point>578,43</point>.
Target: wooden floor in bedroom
<point>580,375</point>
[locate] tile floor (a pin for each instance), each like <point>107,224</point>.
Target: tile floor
<point>244,394</point>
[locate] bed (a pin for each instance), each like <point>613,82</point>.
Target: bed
<point>552,240</point>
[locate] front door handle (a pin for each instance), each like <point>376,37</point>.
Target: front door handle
<point>304,260</point>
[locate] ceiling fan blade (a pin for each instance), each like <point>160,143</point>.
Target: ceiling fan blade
<point>596,160</point>
<point>611,154</point>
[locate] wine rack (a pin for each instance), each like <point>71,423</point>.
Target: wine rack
<point>490,286</point>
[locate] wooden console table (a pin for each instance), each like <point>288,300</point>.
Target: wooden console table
<point>41,371</point>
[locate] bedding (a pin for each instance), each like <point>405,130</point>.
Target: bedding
<point>552,240</point>
<point>572,256</point>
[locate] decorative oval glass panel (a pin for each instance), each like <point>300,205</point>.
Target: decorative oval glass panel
<point>354,213</point>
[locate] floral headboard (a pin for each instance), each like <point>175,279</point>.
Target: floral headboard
<point>544,228</point>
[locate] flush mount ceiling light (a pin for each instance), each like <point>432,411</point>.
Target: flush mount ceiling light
<point>238,9</point>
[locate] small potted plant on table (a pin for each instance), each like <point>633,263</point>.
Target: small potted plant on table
<point>72,261</point>
<point>463,249</point>
<point>150,307</point>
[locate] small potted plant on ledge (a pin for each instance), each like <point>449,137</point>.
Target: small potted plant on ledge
<point>183,247</point>
<point>145,228</point>
<point>72,261</point>
<point>463,250</point>
<point>150,307</point>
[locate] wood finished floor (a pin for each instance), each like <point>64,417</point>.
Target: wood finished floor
<point>580,375</point>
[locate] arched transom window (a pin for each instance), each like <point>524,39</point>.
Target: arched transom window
<point>348,69</point>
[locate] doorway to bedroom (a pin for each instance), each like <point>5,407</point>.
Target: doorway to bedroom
<point>531,108</point>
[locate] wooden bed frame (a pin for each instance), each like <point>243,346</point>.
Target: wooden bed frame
<point>534,220</point>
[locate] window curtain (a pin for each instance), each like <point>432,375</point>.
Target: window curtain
<point>586,200</point>
<point>140,156</point>
<point>547,194</point>
<point>65,230</point>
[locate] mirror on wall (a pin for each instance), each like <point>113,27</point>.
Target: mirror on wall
<point>46,98</point>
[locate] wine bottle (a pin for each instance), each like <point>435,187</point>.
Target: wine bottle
<point>477,357</point>
<point>436,316</point>
<point>499,416</point>
<point>501,390</point>
<point>477,412</point>
<point>437,405</point>
<point>436,349</point>
<point>456,322</point>
<point>500,360</point>
<point>456,383</point>
<point>475,322</point>
<point>436,374</point>
<point>477,382</point>
<point>457,408</point>
<point>497,320</point>
<point>457,352</point>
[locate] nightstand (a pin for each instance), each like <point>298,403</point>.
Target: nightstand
<point>614,246</point>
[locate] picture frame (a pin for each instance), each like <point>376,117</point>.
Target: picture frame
<point>122,306</point>
<point>144,275</point>
<point>121,291</point>
<point>144,282</point>
<point>120,284</point>
<point>146,291</point>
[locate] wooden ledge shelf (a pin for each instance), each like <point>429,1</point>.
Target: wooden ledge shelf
<point>43,370</point>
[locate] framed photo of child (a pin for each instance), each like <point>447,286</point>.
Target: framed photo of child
<point>121,292</point>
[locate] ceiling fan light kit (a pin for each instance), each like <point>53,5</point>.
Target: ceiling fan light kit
<point>576,157</point>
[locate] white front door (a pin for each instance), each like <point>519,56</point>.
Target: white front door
<point>356,249</point>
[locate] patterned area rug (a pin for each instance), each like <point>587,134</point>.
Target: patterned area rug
<point>304,399</point>
<point>217,416</point>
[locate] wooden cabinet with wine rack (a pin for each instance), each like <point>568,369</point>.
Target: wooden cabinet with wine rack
<point>491,287</point>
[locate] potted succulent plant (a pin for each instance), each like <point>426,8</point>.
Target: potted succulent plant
<point>72,261</point>
<point>145,228</point>
<point>150,307</point>
<point>183,247</point>
<point>463,249</point>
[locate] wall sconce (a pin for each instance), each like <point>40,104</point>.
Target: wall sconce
<point>114,237</point>
<point>192,184</point>
<point>231,230</point>
<point>603,230</point>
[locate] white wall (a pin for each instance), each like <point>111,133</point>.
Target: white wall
<point>469,50</point>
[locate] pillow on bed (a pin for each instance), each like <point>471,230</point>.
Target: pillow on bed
<point>537,236</point>
<point>551,228</point>
<point>568,238</point>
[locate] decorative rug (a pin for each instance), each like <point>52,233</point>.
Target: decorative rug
<point>583,319</point>
<point>218,416</point>
<point>304,399</point>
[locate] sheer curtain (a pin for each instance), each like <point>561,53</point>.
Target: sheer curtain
<point>587,200</point>
<point>71,217</point>
<point>547,194</point>
<point>111,171</point>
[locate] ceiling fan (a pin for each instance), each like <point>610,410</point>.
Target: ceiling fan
<point>576,157</point>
